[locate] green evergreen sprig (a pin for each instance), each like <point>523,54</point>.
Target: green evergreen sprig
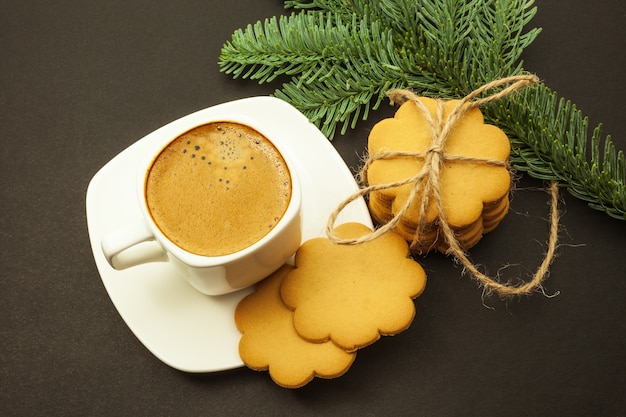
<point>341,57</point>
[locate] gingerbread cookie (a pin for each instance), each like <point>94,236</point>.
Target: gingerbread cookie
<point>353,294</point>
<point>474,193</point>
<point>269,341</point>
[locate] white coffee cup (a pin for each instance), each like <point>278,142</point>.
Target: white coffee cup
<point>211,275</point>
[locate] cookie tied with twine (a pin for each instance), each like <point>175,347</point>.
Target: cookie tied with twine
<point>466,167</point>
<point>439,176</point>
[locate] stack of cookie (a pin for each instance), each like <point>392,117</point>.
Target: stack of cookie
<point>473,179</point>
<point>310,320</point>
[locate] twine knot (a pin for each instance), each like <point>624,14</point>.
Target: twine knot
<point>426,182</point>
<point>436,149</point>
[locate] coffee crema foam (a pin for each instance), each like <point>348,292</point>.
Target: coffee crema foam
<point>218,188</point>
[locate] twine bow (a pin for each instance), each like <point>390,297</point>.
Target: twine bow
<point>426,181</point>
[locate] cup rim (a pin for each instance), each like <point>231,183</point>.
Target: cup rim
<point>169,135</point>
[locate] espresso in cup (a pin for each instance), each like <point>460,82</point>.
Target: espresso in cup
<point>218,188</point>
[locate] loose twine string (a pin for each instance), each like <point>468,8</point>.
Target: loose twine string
<point>427,181</point>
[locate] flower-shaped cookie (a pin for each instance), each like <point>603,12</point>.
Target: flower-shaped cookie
<point>269,340</point>
<point>469,189</point>
<point>352,294</point>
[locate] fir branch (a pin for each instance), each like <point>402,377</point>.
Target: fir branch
<point>553,142</point>
<point>343,56</point>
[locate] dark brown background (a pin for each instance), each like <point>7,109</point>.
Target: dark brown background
<point>82,80</point>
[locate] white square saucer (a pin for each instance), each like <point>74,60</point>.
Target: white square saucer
<point>184,328</point>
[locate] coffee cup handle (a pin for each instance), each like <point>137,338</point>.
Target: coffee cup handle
<point>122,250</point>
